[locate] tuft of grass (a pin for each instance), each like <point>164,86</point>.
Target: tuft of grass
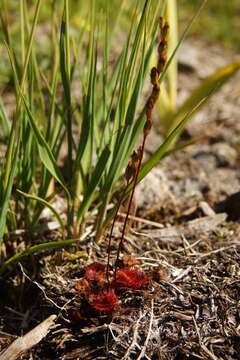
<point>81,96</point>
<point>47,113</point>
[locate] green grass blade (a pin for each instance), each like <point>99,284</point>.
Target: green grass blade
<point>15,129</point>
<point>95,179</point>
<point>45,152</point>
<point>165,104</point>
<point>65,73</point>
<point>161,151</point>
<point>182,37</point>
<point>127,134</point>
<point>157,156</point>
<point>37,248</point>
<point>207,88</point>
<point>172,18</point>
<point>46,204</point>
<point>182,145</point>
<point>5,195</point>
<point>4,121</point>
<point>89,129</point>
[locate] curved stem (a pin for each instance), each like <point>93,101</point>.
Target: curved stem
<point>129,207</point>
<point>37,248</point>
<point>111,231</point>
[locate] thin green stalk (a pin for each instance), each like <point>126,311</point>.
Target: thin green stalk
<point>15,134</point>
<point>65,63</point>
<point>67,43</point>
<point>46,204</point>
<point>172,19</point>
<point>36,249</point>
<point>5,196</point>
<point>35,69</point>
<point>101,215</point>
<point>69,110</point>
<point>182,37</point>
<point>4,121</point>
<point>16,124</point>
<point>22,25</point>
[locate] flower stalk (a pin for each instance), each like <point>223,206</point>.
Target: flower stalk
<point>134,165</point>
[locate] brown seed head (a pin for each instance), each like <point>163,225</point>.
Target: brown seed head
<point>135,157</point>
<point>148,126</point>
<point>130,172</point>
<point>161,23</point>
<point>155,91</point>
<point>161,62</point>
<point>154,76</point>
<point>164,30</point>
<point>162,45</point>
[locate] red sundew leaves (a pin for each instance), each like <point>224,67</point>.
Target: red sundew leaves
<point>129,261</point>
<point>131,278</point>
<point>159,273</point>
<point>95,272</point>
<point>82,286</point>
<point>105,301</point>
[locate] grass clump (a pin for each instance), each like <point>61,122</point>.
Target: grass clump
<point>102,112</point>
<point>82,97</point>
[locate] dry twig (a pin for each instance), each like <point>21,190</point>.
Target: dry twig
<point>27,341</point>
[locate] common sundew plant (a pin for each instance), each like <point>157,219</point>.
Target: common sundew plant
<point>75,72</point>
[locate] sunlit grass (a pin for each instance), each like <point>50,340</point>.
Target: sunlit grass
<point>76,73</point>
<point>218,22</point>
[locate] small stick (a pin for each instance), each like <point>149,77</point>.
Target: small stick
<point>26,342</point>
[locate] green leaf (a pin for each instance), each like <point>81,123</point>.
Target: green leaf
<point>5,196</point>
<point>166,102</point>
<point>182,37</point>
<point>172,18</point>
<point>4,121</point>
<point>206,89</point>
<point>44,150</point>
<point>37,248</point>
<point>95,179</point>
<point>65,73</point>
<point>45,203</point>
<point>157,156</point>
<point>162,150</point>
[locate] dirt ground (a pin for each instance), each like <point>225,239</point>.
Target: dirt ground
<point>186,236</point>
